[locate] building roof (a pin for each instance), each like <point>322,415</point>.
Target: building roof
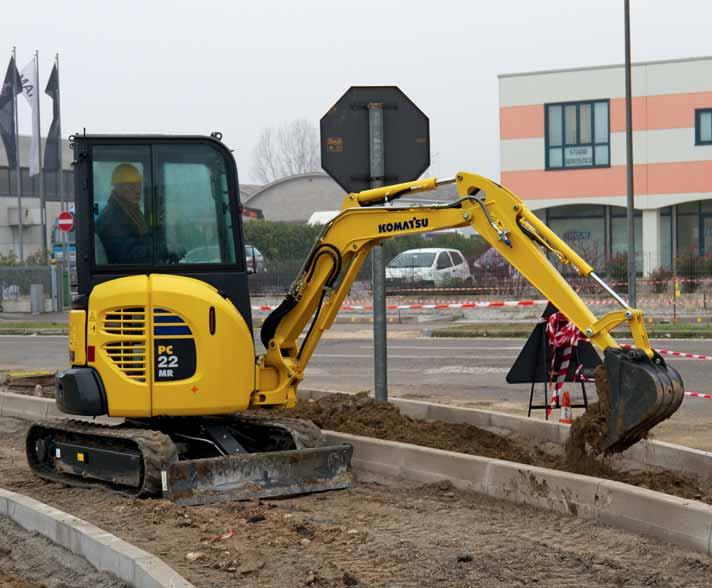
<point>611,65</point>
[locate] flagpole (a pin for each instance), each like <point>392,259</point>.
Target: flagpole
<point>18,178</point>
<point>66,262</point>
<point>43,196</point>
<point>59,150</point>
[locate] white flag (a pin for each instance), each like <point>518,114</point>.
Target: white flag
<point>30,89</point>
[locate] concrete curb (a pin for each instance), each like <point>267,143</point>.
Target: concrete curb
<point>648,453</point>
<point>106,552</point>
<point>686,523</point>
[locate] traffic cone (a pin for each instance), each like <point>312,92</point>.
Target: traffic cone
<point>566,417</point>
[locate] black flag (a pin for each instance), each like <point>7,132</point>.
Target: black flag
<point>7,112</point>
<point>53,144</point>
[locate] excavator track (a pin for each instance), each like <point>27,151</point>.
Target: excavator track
<point>154,450</point>
<point>146,458</point>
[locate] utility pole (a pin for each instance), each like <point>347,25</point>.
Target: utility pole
<point>377,165</point>
<point>630,201</point>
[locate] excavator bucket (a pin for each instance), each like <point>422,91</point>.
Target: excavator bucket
<point>641,392</point>
<point>259,475</point>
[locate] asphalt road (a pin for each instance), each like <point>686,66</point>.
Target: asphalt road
<point>469,372</point>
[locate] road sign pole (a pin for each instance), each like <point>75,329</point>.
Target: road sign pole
<point>377,166</point>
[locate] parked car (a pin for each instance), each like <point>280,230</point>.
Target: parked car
<point>255,259</point>
<point>431,266</point>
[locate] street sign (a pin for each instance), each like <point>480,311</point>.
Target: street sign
<point>345,143</point>
<point>65,220</point>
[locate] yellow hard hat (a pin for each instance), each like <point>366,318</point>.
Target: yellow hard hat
<point>125,173</point>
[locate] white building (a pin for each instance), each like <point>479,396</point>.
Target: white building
<point>563,149</point>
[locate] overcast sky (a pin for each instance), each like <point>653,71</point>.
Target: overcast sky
<point>238,67</point>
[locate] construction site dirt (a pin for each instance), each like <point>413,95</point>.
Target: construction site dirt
<point>360,415</point>
<point>28,560</point>
<point>379,533</point>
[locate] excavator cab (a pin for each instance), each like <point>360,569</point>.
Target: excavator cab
<point>181,215</point>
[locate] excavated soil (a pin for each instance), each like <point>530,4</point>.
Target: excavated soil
<point>395,535</point>
<point>361,415</point>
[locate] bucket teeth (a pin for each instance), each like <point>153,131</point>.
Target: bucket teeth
<point>642,392</point>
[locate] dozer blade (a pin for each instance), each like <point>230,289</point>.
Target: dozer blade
<point>641,393</point>
<point>259,475</point>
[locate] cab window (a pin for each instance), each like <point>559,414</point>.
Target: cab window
<point>163,204</point>
<point>121,181</point>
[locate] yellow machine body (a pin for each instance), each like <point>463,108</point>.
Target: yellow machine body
<point>168,345</point>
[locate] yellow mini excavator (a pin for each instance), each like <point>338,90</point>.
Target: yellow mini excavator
<point>160,333</point>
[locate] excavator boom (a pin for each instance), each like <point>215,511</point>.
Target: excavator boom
<point>643,389</point>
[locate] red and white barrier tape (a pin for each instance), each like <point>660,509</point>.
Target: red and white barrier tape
<point>675,353</point>
<point>438,306</point>
<point>699,395</point>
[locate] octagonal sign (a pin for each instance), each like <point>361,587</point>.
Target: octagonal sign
<point>345,152</point>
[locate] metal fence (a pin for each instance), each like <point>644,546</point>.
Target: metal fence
<point>33,288</point>
<point>689,291</point>
<point>691,287</point>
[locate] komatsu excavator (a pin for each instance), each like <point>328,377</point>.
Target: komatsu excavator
<point>160,334</point>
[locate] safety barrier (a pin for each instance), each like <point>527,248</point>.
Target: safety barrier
<point>436,306</point>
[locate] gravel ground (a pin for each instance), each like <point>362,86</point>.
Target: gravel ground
<point>31,561</point>
<point>375,535</point>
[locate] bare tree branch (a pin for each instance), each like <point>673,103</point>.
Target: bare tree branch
<point>293,148</point>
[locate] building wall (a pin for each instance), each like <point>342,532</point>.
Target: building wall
<point>669,169</point>
<point>32,228</point>
<point>295,198</point>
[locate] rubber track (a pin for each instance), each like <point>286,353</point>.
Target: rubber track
<point>305,433</point>
<point>157,450</point>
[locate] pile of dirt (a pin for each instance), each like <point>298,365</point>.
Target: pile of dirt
<point>583,447</point>
<point>360,414</point>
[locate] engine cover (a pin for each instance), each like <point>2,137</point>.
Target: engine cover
<point>169,345</point>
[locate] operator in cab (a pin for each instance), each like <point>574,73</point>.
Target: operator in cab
<point>121,226</point>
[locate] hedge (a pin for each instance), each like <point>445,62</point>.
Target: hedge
<point>280,241</point>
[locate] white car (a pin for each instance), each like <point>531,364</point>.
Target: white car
<point>432,266</point>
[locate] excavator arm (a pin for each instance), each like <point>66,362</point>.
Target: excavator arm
<point>643,390</point>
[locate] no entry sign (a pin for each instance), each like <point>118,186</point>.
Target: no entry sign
<point>65,220</point>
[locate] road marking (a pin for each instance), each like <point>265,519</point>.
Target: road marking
<point>465,369</point>
<point>444,347</point>
<point>413,356</point>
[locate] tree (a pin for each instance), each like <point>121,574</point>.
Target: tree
<point>291,148</point>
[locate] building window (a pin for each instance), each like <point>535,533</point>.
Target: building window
<point>577,135</point>
<point>703,126</point>
<point>583,227</point>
